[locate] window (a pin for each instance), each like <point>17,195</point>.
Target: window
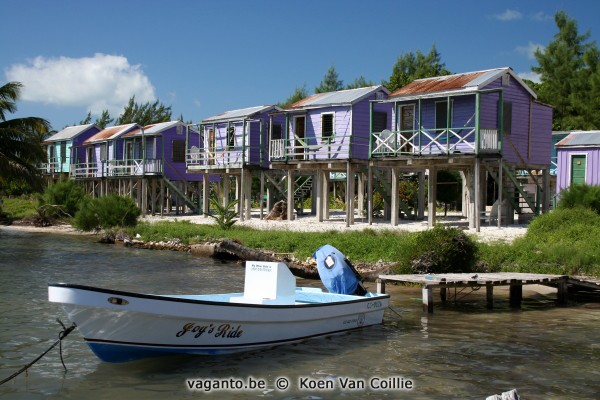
<point>103,152</point>
<point>506,118</point>
<point>231,136</point>
<point>276,132</point>
<point>327,127</point>
<point>379,122</point>
<point>178,149</point>
<point>63,152</point>
<point>441,116</point>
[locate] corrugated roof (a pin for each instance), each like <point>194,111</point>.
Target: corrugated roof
<point>457,83</point>
<point>155,129</point>
<point>341,97</point>
<point>112,132</point>
<point>69,133</point>
<point>580,138</point>
<point>241,113</point>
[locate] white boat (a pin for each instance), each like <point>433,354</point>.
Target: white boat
<point>122,326</point>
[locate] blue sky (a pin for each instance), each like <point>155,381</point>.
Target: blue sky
<point>204,58</point>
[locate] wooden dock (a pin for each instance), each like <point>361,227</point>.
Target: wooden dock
<point>516,281</point>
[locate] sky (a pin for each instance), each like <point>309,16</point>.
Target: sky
<point>203,58</point>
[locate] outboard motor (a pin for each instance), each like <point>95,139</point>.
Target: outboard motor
<point>337,273</point>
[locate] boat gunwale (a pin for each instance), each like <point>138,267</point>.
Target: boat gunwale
<point>360,299</point>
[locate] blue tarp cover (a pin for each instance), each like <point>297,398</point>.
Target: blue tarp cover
<point>335,273</point>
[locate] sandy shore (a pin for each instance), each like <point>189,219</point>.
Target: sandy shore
<point>309,223</point>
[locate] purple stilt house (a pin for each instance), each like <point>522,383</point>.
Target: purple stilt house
<point>325,137</point>
<point>487,125</point>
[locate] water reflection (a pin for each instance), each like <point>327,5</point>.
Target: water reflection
<point>460,351</point>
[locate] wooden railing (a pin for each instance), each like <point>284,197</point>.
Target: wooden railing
<point>433,141</point>
<point>217,157</point>
<point>325,148</point>
<point>115,168</point>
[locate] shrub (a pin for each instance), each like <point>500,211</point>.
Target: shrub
<point>106,212</point>
<point>224,214</point>
<point>62,199</point>
<point>443,250</point>
<point>580,196</point>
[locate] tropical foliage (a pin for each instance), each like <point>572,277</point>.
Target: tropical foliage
<point>330,82</point>
<point>21,148</point>
<point>224,215</point>
<point>569,68</point>
<point>106,212</point>
<point>411,66</point>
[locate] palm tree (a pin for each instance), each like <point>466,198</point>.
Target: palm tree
<point>20,140</point>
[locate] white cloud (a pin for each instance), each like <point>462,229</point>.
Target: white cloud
<point>509,15</point>
<point>97,83</point>
<point>529,49</point>
<point>532,76</point>
<point>541,16</point>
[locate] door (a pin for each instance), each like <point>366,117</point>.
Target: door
<point>578,164</point>
<point>90,160</point>
<point>212,146</point>
<point>407,126</point>
<point>51,157</point>
<point>299,133</point>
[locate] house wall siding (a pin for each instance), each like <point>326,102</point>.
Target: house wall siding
<point>521,145</point>
<point>361,124</point>
<point>592,175</point>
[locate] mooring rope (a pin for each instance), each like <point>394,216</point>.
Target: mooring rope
<point>394,311</point>
<point>61,335</point>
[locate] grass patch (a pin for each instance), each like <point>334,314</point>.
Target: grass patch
<point>19,207</point>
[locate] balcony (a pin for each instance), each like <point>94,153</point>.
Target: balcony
<point>423,142</point>
<point>117,168</point>
<point>335,147</point>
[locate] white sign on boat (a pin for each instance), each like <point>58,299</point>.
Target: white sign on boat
<point>267,283</point>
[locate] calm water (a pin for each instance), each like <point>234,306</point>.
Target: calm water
<point>460,352</point>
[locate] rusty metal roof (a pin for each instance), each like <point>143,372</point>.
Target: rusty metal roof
<point>580,138</point>
<point>110,133</point>
<point>437,84</point>
<point>340,97</point>
<point>457,83</point>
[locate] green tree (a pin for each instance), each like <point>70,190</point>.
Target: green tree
<point>21,148</point>
<point>330,82</point>
<point>359,83</point>
<point>104,120</point>
<point>566,66</point>
<point>144,114</point>
<point>299,93</point>
<point>411,66</point>
<point>87,119</point>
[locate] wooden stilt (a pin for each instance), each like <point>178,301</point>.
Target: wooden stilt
<point>380,286</point>
<point>431,198</point>
<point>515,293</point>
<point>489,294</point>
<point>318,194</point>
<point>421,196</point>
<point>290,195</point>
<point>427,299</point>
<point>262,193</point>
<point>370,195</point>
<point>394,197</point>
<point>563,292</point>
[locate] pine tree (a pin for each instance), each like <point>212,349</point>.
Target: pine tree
<point>411,66</point>
<point>104,120</point>
<point>144,114</point>
<point>330,82</point>
<point>566,66</point>
<point>359,83</point>
<point>299,93</point>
